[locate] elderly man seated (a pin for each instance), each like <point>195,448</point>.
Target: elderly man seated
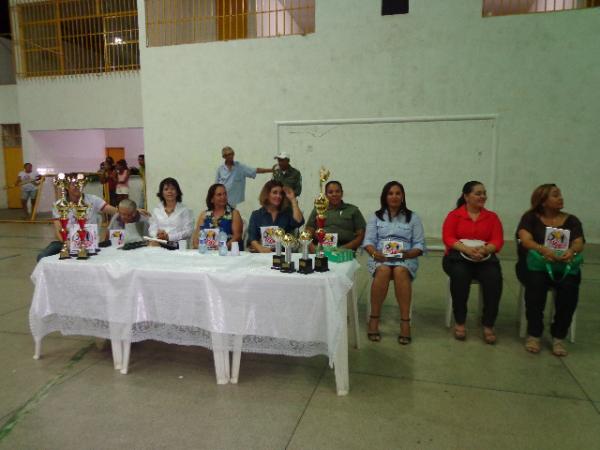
<point>128,213</point>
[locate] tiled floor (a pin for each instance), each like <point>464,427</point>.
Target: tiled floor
<point>437,393</point>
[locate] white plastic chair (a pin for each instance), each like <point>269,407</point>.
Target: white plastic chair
<point>450,316</point>
<point>523,317</point>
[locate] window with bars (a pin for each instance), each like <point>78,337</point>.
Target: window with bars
<point>172,22</point>
<point>509,7</point>
<point>68,37</point>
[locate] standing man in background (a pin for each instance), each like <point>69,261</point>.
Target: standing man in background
<point>28,181</point>
<point>286,174</point>
<point>233,174</point>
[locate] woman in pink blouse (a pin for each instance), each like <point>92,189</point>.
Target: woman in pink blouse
<point>472,236</point>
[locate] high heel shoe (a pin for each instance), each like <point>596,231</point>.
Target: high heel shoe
<point>373,336</point>
<point>402,339</point>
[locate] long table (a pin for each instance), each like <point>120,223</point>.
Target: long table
<point>232,303</point>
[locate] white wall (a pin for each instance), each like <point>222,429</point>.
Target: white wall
<point>9,111</point>
<point>132,139</point>
<point>537,73</point>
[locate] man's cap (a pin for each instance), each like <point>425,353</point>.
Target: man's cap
<point>282,155</point>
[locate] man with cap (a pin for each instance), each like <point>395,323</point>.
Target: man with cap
<point>232,174</point>
<point>286,174</point>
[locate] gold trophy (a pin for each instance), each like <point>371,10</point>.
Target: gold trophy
<point>278,257</point>
<point>63,207</point>
<point>287,266</point>
<point>305,264</point>
<point>321,205</point>
<point>81,209</point>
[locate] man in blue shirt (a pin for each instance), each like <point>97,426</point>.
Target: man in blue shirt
<point>233,174</point>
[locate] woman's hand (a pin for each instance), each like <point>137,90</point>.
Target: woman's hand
<point>567,256</point>
<point>378,256</point>
<point>548,254</point>
<point>289,193</point>
<point>475,253</point>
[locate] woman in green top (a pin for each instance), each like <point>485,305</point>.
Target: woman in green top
<point>342,218</point>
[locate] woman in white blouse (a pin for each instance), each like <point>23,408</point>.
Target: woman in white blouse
<point>172,221</point>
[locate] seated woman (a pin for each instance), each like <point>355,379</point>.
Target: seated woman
<point>472,236</point>
<point>172,221</point>
<point>279,208</point>
<point>219,214</point>
<point>96,205</point>
<point>393,226</point>
<point>546,206</point>
<point>341,218</point>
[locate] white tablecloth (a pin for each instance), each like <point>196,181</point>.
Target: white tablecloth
<point>181,297</point>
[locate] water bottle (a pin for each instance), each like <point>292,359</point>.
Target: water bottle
<point>222,243</point>
<point>202,242</point>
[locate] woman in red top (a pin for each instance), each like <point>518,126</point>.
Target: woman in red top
<point>472,236</point>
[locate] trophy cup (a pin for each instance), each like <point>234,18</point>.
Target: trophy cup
<point>321,204</point>
<point>278,257</point>
<point>305,264</point>
<point>287,266</point>
<point>81,209</point>
<point>63,207</point>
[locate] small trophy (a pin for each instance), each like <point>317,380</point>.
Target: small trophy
<point>63,207</point>
<point>81,209</point>
<point>321,204</point>
<point>305,265</point>
<point>287,266</point>
<point>278,257</point>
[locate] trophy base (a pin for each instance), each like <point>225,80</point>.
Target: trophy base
<point>64,252</point>
<point>277,262</point>
<point>321,264</point>
<point>305,266</point>
<point>287,267</point>
<point>82,254</point>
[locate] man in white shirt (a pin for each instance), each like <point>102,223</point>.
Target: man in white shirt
<point>233,174</point>
<point>28,181</point>
<point>128,213</point>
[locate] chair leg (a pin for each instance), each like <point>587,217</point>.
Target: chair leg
<point>449,318</point>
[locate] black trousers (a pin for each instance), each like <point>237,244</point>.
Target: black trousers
<point>536,292</point>
<point>461,273</point>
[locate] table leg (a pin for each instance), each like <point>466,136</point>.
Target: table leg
<point>117,352</point>
<point>37,352</point>
<point>235,358</point>
<point>126,350</point>
<point>221,358</point>
<point>340,363</point>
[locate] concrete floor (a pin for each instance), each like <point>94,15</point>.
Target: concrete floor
<point>437,393</point>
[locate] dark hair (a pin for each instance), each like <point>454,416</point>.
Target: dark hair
<point>334,182</point>
<point>141,155</point>
<point>27,164</point>
<point>169,182</point>
<point>110,159</point>
<point>211,193</point>
<point>540,195</point>
<point>467,189</point>
<point>263,198</point>
<point>383,201</point>
<point>122,162</point>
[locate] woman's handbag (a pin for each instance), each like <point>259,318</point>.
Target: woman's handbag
<point>537,263</point>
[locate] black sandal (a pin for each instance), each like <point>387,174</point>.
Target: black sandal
<point>374,336</point>
<point>404,340</point>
